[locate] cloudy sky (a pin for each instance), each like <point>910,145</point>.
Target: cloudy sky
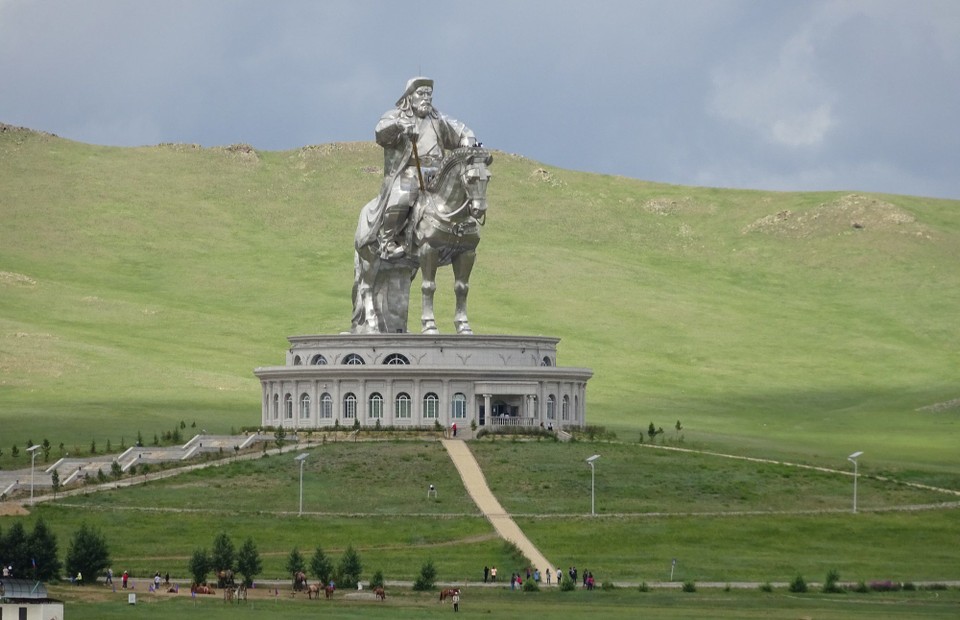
<point>850,95</point>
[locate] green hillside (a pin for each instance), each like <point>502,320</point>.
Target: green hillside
<point>140,287</point>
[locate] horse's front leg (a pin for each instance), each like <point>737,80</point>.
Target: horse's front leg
<point>462,266</point>
<point>429,261</point>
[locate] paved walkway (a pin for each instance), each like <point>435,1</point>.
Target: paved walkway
<point>476,485</point>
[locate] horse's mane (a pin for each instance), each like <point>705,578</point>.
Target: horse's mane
<point>453,159</point>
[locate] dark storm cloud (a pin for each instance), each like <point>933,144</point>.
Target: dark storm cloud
<point>855,95</point>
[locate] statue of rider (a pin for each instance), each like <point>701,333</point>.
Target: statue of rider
<point>414,136</point>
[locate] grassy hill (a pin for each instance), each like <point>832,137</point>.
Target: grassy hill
<point>140,287</point>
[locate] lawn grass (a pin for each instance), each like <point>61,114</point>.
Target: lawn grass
<point>502,603</point>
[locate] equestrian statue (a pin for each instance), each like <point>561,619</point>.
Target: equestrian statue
<point>428,214</point>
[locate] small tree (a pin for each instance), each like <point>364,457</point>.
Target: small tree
<point>831,585</point>
<point>295,562</point>
<point>350,568</point>
<point>248,562</point>
<point>55,482</point>
<point>427,577</point>
<point>115,470</point>
<point>45,447</point>
<point>43,552</point>
<point>88,553</point>
<point>93,446</point>
<point>223,555</point>
<point>651,431</point>
<point>377,580</point>
<point>14,548</point>
<point>798,584</point>
<point>279,436</point>
<point>199,566</point>
<point>321,566</point>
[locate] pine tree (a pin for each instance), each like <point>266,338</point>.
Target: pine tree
<point>321,566</point>
<point>199,566</point>
<point>248,562</point>
<point>223,555</point>
<point>88,553</point>
<point>350,568</point>
<point>43,552</point>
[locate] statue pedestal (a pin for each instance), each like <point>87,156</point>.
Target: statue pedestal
<point>423,381</point>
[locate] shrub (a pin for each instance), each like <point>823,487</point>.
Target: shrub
<point>643,587</point>
<point>568,585</point>
<point>766,587</point>
<point>608,585</point>
<point>885,586</point>
<point>426,578</point>
<point>798,584</point>
<point>909,586</point>
<point>531,586</point>
<point>830,585</point>
<point>689,586</point>
<point>377,580</point>
<point>861,588</point>
<point>934,586</point>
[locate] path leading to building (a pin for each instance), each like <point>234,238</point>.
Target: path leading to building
<point>476,484</point>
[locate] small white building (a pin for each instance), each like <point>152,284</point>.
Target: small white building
<point>413,380</point>
<point>27,599</point>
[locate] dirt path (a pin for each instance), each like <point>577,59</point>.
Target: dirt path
<point>476,485</point>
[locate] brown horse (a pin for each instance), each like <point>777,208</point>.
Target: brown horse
<point>328,591</point>
<point>313,590</point>
<point>379,593</point>
<point>448,593</point>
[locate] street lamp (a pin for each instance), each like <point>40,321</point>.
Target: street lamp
<point>592,482</point>
<point>33,457</point>
<point>301,457</point>
<point>853,459</point>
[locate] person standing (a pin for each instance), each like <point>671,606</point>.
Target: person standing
<point>486,573</point>
<point>124,578</point>
<point>548,576</point>
<point>493,574</point>
<point>109,576</point>
<point>456,601</point>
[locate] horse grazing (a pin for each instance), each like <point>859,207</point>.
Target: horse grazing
<point>448,593</point>
<point>443,229</point>
<point>379,593</point>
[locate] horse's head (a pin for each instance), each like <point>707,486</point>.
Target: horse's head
<point>474,176</point>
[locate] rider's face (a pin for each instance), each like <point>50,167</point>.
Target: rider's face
<point>422,100</point>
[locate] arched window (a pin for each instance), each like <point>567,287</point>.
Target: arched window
<point>546,361</point>
<point>395,359</point>
<point>459,406</point>
<point>304,406</point>
<point>276,406</point>
<point>296,360</point>
<point>326,406</point>
<point>318,360</point>
<point>402,406</point>
<point>375,406</point>
<point>288,407</point>
<point>431,406</point>
<point>565,408</point>
<point>353,360</point>
<point>349,406</point>
<point>551,407</point>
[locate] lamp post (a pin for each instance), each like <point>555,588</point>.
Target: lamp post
<point>33,457</point>
<point>853,459</point>
<point>301,457</point>
<point>592,482</point>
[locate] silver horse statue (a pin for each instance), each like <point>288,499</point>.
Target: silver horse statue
<point>444,229</point>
